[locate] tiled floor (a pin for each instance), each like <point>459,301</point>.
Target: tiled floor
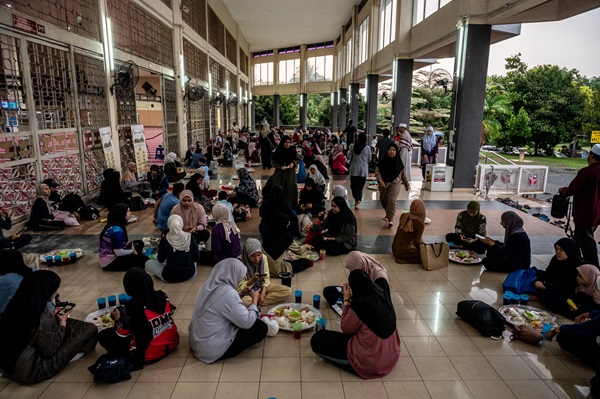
<point>442,357</point>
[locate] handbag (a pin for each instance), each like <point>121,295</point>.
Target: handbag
<point>110,368</point>
<point>560,206</point>
<point>521,281</point>
<point>435,255</point>
<point>527,334</point>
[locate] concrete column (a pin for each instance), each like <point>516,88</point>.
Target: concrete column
<point>354,103</point>
<point>466,117</point>
<point>343,100</point>
<point>402,87</point>
<point>253,113</point>
<point>334,111</point>
<point>372,89</point>
<point>276,109</point>
<point>179,78</point>
<point>303,109</point>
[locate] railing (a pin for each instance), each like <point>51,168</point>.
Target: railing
<point>511,179</point>
<point>487,153</point>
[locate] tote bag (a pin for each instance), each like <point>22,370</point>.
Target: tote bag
<point>435,255</point>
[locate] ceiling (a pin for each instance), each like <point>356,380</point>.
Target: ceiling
<point>271,24</point>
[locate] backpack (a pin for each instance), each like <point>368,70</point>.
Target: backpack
<point>484,318</point>
<point>137,204</point>
<point>88,213</point>
<point>110,368</point>
<point>560,206</point>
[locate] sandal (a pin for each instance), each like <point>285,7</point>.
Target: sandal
<point>357,205</point>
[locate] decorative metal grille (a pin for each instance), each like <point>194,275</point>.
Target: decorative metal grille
<point>126,112</point>
<point>63,14</point>
<point>216,31</point>
<point>231,46</point>
<point>126,145</point>
<point>170,135</point>
<point>243,62</point>
<point>198,121</point>
<point>218,75</point>
<point>12,86</point>
<point>232,79</point>
<point>196,17</point>
<point>17,188</point>
<point>64,169</point>
<point>139,33</point>
<point>93,114</point>
<point>196,61</point>
<point>52,87</point>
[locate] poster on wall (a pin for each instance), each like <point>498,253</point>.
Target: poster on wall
<point>140,149</point>
<point>107,146</point>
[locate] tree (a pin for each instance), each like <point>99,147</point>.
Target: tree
<point>319,110</point>
<point>496,103</point>
<point>263,108</point>
<point>289,110</point>
<point>518,131</point>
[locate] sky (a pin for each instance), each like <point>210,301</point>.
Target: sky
<point>573,43</point>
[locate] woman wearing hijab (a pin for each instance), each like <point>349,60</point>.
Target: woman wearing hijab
<point>129,181</point>
<point>115,253</point>
<point>199,185</point>
<point>390,178</point>
<point>193,216</point>
<point>338,161</point>
<point>408,238</point>
<point>429,149</point>
<point>225,237</point>
<point>41,217</point>
<point>222,327</point>
<point>159,184</point>
<point>312,199</point>
<point>320,164</point>
<point>369,344</point>
<point>285,160</point>
<point>177,254</point>
<point>253,154</point>
<point>359,157</point>
<point>360,260</point>
<point>317,177</point>
<point>113,192</point>
<point>340,224</point>
<point>170,168</point>
<point>12,271</point>
<point>266,150</point>
<point>557,283</point>
<point>587,293</point>
<point>145,323</point>
<point>227,159</point>
<point>273,204</point>
<point>514,253</point>
<point>246,192</point>
<point>468,224</point>
<point>405,148</point>
<point>277,241</point>
<point>307,153</point>
<point>38,340</point>
<point>258,278</point>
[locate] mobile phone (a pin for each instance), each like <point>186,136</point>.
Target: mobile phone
<point>257,286</point>
<point>480,237</point>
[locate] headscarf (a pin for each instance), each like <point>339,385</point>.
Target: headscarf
<point>129,175</point>
<point>316,149</point>
<point>429,141</point>
<point>591,274</point>
<point>12,262</point>
<point>361,143</point>
<point>564,272</point>
<point>45,198</point>
<point>470,224</point>
<point>224,278</point>
<point>179,239</point>
<point>277,238</point>
<point>313,196</point>
<point>193,186</point>
<point>306,149</point>
<point>117,216</point>
<point>247,185</point>
<point>285,156</point>
<point>372,304</point>
<point>170,157</point>
<point>192,216</point>
<point>417,211</point>
<point>251,247</point>
<point>251,148</point>
<point>205,183</point>
<point>336,221</point>
<point>390,168</point>
<point>337,151</point>
<point>314,174</point>
<point>340,191</point>
<point>21,318</point>
<point>156,180</point>
<point>140,287</point>
<point>512,224</point>
<point>362,261</point>
<point>222,215</point>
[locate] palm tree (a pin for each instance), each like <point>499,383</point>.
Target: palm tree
<point>497,102</point>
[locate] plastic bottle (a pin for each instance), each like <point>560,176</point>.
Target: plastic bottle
<point>338,306</point>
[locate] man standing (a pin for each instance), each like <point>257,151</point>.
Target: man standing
<point>405,146</point>
<point>585,189</point>
<point>350,131</point>
<point>383,144</point>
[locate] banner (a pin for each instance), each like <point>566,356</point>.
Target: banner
<point>140,149</point>
<point>107,146</point>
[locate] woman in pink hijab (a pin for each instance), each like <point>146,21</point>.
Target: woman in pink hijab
<point>587,293</point>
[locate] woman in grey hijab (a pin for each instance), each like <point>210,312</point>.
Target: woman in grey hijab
<point>221,326</point>
<point>512,254</point>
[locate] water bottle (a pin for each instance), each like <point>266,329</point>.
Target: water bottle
<point>338,307</point>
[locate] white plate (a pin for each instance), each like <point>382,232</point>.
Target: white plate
<point>95,318</point>
<point>547,317</point>
<point>296,306</point>
<point>453,258</point>
<point>78,251</point>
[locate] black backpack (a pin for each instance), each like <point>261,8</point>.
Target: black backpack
<point>137,204</point>
<point>109,368</point>
<point>484,318</point>
<point>88,213</point>
<point>560,206</point>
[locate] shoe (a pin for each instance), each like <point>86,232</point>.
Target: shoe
<point>390,224</point>
<point>427,220</point>
<point>357,205</point>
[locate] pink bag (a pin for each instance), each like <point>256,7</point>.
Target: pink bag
<point>64,216</point>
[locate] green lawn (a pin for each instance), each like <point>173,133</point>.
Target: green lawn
<point>553,162</point>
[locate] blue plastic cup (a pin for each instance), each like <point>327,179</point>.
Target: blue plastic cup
<point>122,299</point>
<point>451,245</point>
<point>49,260</point>
<point>516,298</point>
<point>101,303</point>
<point>112,300</point>
<point>323,322</point>
<point>298,295</point>
<point>57,260</point>
<point>524,299</point>
<point>317,301</point>
<point>73,257</point>
<point>507,298</point>
<point>148,252</point>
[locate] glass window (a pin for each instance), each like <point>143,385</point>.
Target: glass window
<point>363,41</point>
<point>289,71</point>
<point>340,63</point>
<point>349,55</point>
<point>387,23</point>
<point>319,69</point>
<point>263,74</point>
<point>419,11</point>
<point>424,8</point>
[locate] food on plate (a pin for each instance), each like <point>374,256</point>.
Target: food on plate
<point>464,257</point>
<point>286,316</point>
<point>519,316</point>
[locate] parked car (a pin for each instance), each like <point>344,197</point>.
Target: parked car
<point>488,147</point>
<point>510,150</point>
<point>559,155</point>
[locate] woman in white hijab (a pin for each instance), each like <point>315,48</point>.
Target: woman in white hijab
<point>257,277</point>
<point>221,326</point>
<point>313,173</point>
<point>177,254</point>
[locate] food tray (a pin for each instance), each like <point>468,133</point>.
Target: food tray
<point>472,260</point>
<point>540,317</point>
<point>97,318</point>
<point>61,252</point>
<point>296,306</point>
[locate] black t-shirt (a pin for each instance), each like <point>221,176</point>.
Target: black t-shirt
<point>350,134</point>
